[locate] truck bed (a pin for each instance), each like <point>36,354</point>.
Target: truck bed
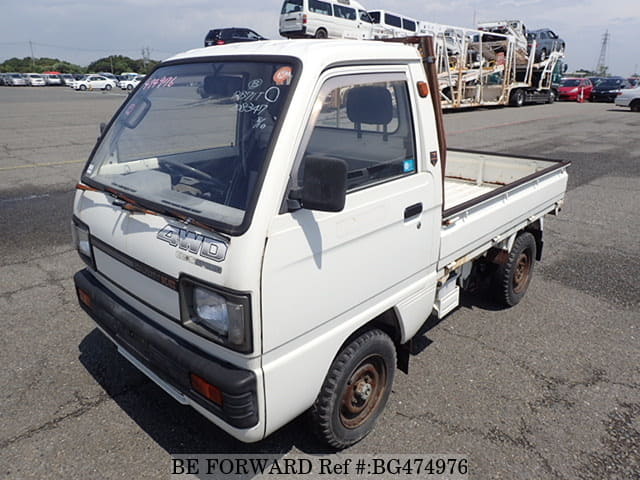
<point>488,197</point>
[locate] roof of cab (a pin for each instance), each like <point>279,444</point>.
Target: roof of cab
<point>324,52</point>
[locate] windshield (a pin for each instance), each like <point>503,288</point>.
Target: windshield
<point>610,83</point>
<point>194,138</point>
<point>570,83</point>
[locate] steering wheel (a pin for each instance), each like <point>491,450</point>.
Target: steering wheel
<point>199,174</point>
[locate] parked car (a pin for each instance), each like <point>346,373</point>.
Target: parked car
<point>94,82</point>
<point>52,79</point>
<point>634,82</point>
<point>578,89</point>
<point>67,79</point>
<point>108,75</point>
<point>546,42</point>
<point>130,83</point>
<point>608,89</point>
<point>222,36</point>
<point>35,80</point>
<point>629,97</point>
<point>15,80</point>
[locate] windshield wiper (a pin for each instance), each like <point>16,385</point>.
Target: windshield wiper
<point>133,206</point>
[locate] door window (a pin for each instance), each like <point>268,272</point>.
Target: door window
<point>344,12</point>
<point>367,123</point>
<point>317,6</point>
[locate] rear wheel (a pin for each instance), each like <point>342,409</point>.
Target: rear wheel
<point>517,98</point>
<point>321,33</point>
<point>356,390</point>
<point>513,277</point>
<point>635,106</point>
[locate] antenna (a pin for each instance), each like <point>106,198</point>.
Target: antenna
<point>601,68</point>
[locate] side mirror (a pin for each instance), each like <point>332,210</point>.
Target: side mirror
<point>324,185</point>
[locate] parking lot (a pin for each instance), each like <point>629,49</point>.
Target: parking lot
<point>547,390</point>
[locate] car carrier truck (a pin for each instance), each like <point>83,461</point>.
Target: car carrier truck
<point>266,226</point>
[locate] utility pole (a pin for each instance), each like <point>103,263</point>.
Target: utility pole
<point>33,65</point>
<point>146,56</point>
<point>601,67</point>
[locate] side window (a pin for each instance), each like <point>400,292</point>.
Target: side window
<point>344,12</point>
<point>392,20</point>
<point>408,24</point>
<point>369,126</point>
<point>317,6</point>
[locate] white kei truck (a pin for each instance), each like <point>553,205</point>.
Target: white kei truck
<point>267,225</point>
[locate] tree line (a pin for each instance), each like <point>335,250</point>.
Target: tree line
<point>115,64</point>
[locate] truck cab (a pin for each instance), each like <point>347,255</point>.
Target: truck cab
<point>267,225</point>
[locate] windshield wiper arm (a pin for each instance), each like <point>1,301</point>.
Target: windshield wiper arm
<point>134,206</point>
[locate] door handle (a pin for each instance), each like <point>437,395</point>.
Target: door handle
<point>412,211</point>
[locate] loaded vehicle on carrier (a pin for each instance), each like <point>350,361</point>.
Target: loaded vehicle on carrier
<point>267,225</point>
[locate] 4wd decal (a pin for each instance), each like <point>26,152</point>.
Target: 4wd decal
<point>193,242</point>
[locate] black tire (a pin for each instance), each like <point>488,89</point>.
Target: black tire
<point>517,98</point>
<point>355,391</point>
<point>635,106</point>
<point>543,55</point>
<point>129,87</point>
<point>552,96</point>
<point>82,87</point>
<point>513,277</point>
<point>321,33</point>
<point>107,87</point>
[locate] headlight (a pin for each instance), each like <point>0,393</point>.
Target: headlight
<point>221,316</point>
<point>82,242</point>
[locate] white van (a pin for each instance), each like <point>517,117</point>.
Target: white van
<point>325,19</point>
<point>393,24</point>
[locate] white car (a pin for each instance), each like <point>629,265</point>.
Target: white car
<point>131,83</point>
<point>94,82</point>
<point>35,80</point>
<point>629,97</point>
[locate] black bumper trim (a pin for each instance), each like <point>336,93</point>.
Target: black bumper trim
<point>171,358</point>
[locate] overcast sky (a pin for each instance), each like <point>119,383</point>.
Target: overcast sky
<point>81,32</point>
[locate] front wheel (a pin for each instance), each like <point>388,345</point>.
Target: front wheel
<point>83,87</point>
<point>356,390</point>
<point>543,55</point>
<point>635,106</point>
<point>107,87</point>
<point>552,96</point>
<point>513,277</point>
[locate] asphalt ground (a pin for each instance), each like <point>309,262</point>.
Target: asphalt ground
<point>549,389</point>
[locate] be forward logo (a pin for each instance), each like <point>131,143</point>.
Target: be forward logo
<point>193,242</point>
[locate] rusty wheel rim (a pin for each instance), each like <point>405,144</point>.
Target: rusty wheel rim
<point>521,273</point>
<point>363,392</point>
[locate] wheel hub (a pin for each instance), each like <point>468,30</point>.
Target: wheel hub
<point>521,274</point>
<point>363,392</point>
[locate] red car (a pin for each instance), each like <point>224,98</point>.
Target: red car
<point>578,89</point>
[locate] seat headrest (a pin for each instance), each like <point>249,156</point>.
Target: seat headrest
<point>221,86</point>
<point>369,104</point>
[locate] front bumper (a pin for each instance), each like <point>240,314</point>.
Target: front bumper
<point>168,359</point>
<point>604,97</point>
